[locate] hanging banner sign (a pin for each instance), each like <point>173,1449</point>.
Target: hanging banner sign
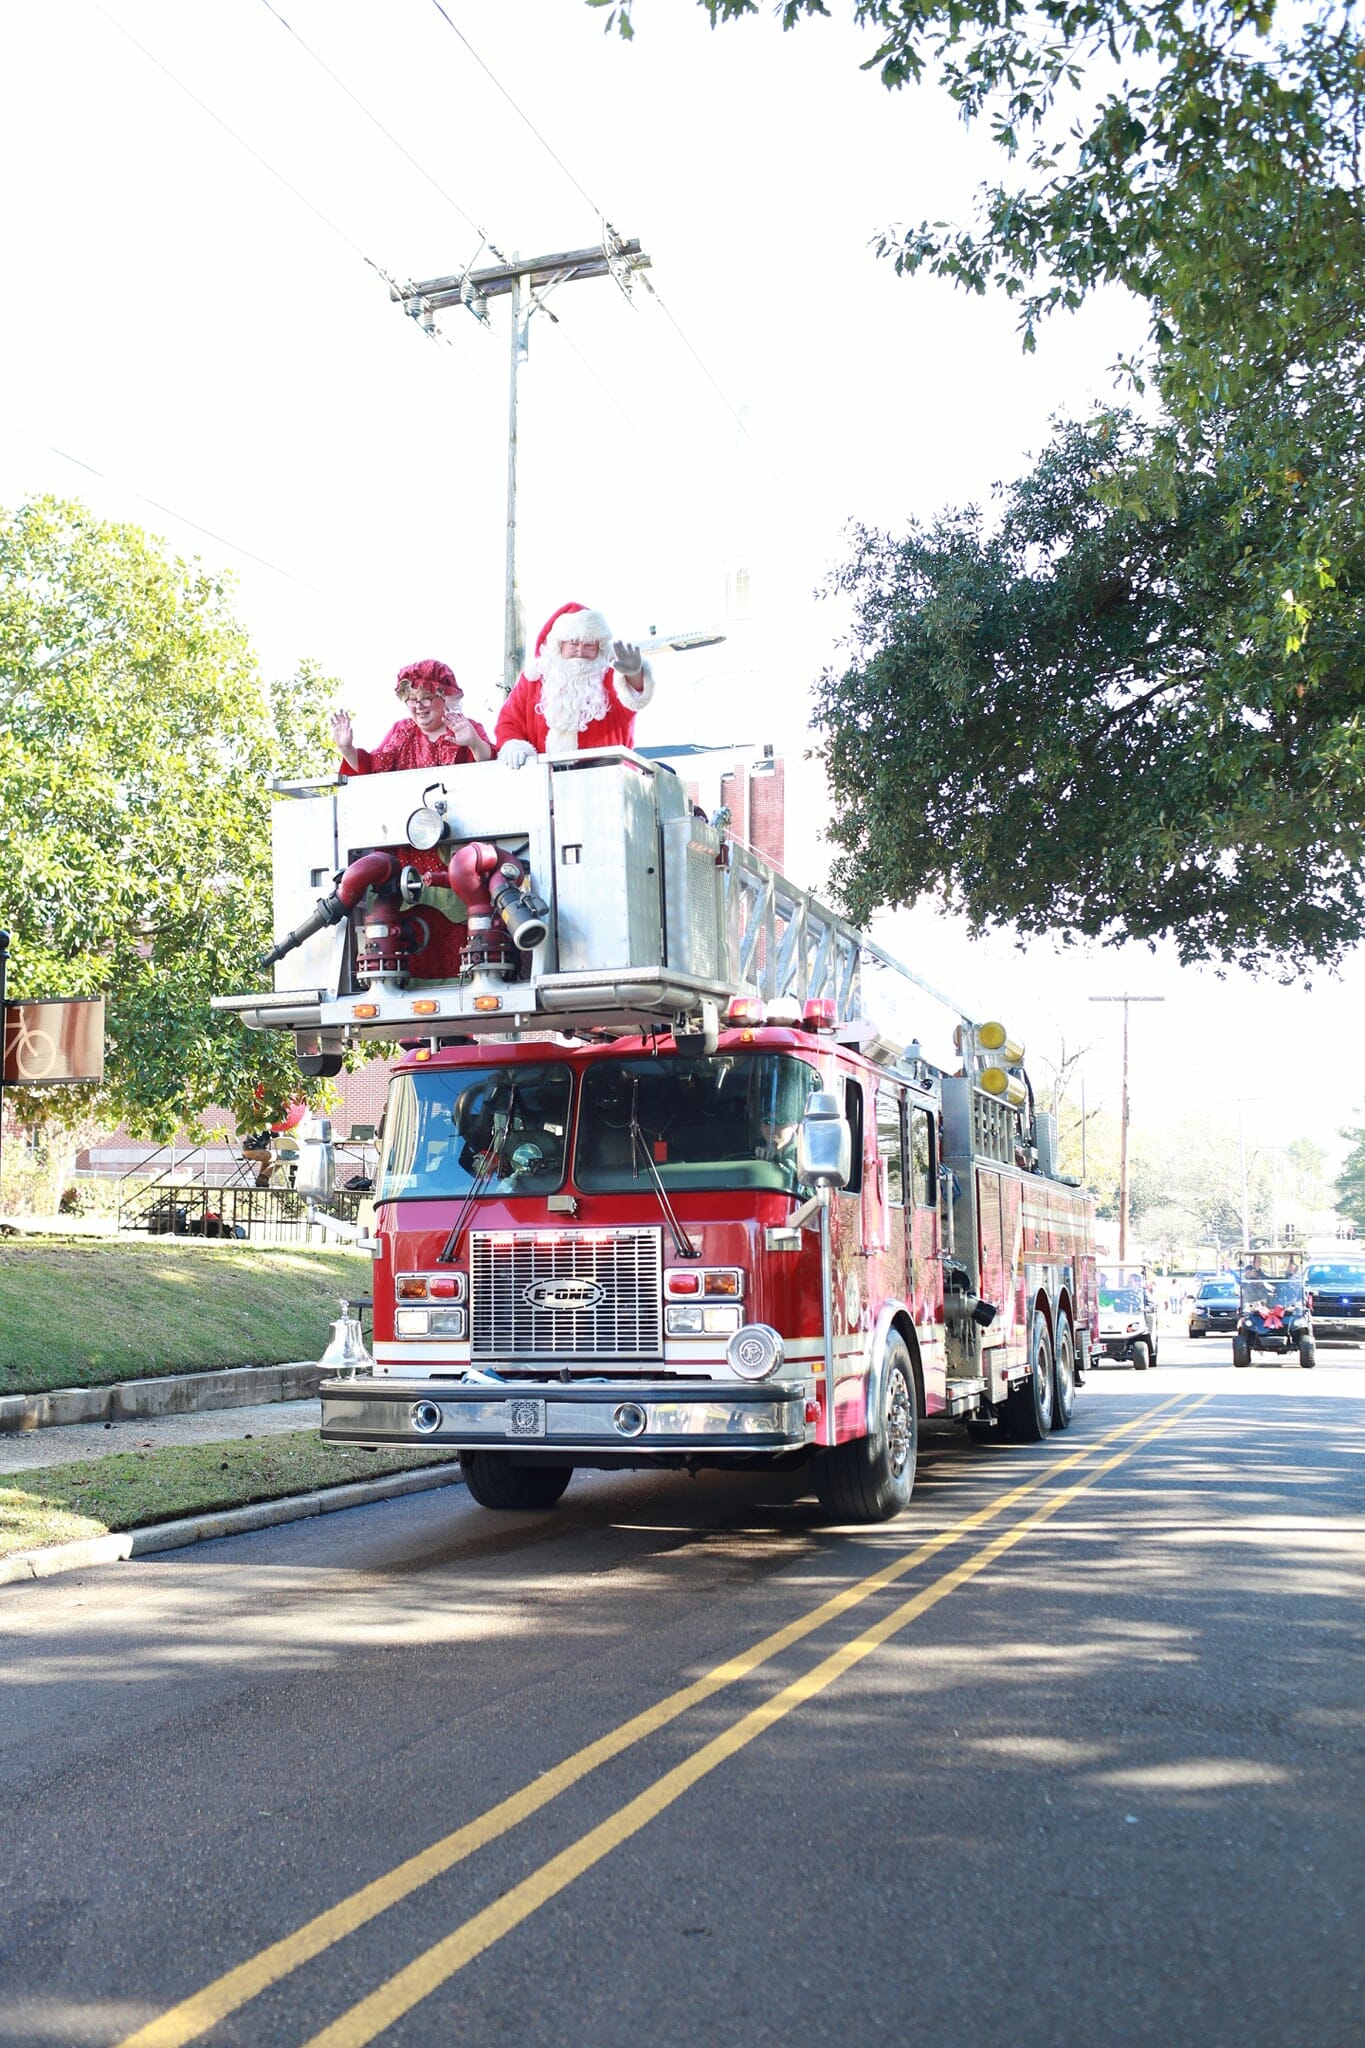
<point>54,1044</point>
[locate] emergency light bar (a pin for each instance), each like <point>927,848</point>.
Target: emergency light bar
<point>1004,1086</point>
<point>746,1010</point>
<point>996,1039</point>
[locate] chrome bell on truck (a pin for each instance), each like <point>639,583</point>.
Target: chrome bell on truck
<point>346,1355</point>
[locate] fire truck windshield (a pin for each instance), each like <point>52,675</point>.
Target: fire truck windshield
<point>500,1127</point>
<point>727,1121</point>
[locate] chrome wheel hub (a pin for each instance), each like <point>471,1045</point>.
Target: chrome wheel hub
<point>899,1424</point>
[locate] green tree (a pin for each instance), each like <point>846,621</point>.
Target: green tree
<point>1351,1180</point>
<point>136,743</point>
<point>1067,723</point>
<point>1204,156</point>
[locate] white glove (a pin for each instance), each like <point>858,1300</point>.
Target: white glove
<point>516,753</point>
<point>627,659</point>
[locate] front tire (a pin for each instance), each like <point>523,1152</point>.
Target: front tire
<point>1308,1353</point>
<point>1030,1404</point>
<point>1241,1350</point>
<point>496,1482</point>
<point>871,1478</point>
<point>1141,1353</point>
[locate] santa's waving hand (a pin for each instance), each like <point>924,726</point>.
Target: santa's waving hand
<point>581,689</point>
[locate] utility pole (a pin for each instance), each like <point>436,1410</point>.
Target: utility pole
<point>1123,1122</point>
<point>613,257</point>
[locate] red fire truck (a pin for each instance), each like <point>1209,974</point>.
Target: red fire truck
<point>652,1190</point>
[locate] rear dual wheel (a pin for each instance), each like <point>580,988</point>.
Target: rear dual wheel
<point>1032,1404</point>
<point>1064,1375</point>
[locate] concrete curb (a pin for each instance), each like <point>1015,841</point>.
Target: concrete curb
<point>264,1514</point>
<point>185,1393</point>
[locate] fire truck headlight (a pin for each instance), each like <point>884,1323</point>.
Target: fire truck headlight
<point>700,1320</point>
<point>755,1352</point>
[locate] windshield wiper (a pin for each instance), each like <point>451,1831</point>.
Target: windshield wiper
<point>491,1168</point>
<point>640,1150</point>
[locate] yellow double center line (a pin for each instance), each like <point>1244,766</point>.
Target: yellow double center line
<point>195,2015</point>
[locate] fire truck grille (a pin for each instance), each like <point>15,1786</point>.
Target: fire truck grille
<point>576,1295</point>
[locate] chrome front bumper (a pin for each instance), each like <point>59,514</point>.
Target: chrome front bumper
<point>587,1416</point>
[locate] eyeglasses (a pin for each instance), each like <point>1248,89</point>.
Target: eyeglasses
<point>425,703</point>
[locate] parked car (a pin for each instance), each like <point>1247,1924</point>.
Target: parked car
<point>1127,1316</point>
<point>1336,1294</point>
<point>1214,1308</point>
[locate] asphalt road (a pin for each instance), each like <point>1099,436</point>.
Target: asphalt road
<point>1072,1752</point>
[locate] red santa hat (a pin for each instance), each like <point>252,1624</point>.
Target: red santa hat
<point>427,675</point>
<point>587,625</point>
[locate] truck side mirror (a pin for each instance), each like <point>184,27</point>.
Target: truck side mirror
<point>315,1174</point>
<point>824,1147</point>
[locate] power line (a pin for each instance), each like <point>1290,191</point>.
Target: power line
<point>692,350</point>
<point>242,143</point>
<point>733,410</point>
<point>689,490</point>
<point>170,511</point>
<point>485,239</point>
<point>520,112</point>
<point>439,334</point>
<point>280,178</point>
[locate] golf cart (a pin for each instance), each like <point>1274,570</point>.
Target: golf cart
<point>1273,1313</point>
<point>1127,1315</point>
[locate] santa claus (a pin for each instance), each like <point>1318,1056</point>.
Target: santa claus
<point>581,689</point>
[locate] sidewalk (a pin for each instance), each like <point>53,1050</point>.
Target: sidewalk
<point>24,1450</point>
<point>186,1408</point>
<point>184,1393</point>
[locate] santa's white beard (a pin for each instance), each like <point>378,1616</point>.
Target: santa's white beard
<point>573,694</point>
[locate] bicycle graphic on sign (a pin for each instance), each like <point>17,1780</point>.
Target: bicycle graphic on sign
<point>30,1053</point>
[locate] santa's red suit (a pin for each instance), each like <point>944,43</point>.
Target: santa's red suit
<point>523,718</point>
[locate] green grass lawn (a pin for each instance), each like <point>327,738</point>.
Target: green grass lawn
<point>88,1312</point>
<point>133,1489</point>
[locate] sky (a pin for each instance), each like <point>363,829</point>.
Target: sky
<point>207,205</point>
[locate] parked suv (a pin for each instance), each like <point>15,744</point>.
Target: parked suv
<point>1336,1293</point>
<point>1214,1308</point>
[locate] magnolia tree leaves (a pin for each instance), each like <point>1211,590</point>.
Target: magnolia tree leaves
<point>136,743</point>
<point>1137,709</point>
<point>1078,720</point>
